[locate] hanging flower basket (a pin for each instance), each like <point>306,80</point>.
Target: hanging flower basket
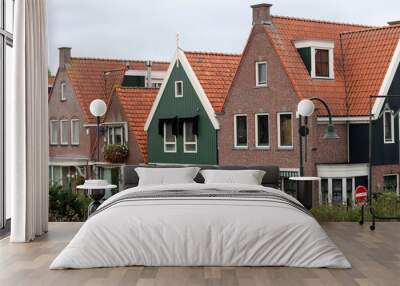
<point>116,153</point>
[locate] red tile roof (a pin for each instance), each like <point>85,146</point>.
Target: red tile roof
<point>95,78</point>
<point>215,71</point>
<point>136,104</point>
<point>284,31</point>
<point>367,56</point>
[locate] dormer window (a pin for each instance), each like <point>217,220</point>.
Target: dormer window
<point>317,57</point>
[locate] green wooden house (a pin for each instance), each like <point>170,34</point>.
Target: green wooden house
<point>182,127</point>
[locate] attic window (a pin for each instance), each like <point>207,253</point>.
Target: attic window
<point>317,57</point>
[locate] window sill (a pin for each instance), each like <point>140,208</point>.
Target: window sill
<point>75,144</point>
<point>323,78</point>
<point>388,142</point>
<point>263,148</point>
<point>240,148</point>
<point>64,144</point>
<point>53,144</point>
<point>289,148</point>
<point>261,86</point>
<point>63,100</point>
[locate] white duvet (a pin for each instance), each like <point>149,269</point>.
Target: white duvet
<point>200,231</point>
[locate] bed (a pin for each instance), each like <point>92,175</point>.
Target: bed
<point>198,224</point>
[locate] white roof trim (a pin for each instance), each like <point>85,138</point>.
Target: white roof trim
<point>323,44</point>
<point>387,81</point>
<point>180,55</point>
<point>344,119</point>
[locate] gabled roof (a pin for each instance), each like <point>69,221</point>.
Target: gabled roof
<point>210,74</point>
<point>51,79</point>
<point>368,55</point>
<point>284,31</point>
<point>95,78</point>
<point>215,71</point>
<point>136,104</point>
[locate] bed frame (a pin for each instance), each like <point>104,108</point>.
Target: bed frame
<point>271,178</point>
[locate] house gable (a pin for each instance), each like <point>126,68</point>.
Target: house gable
<point>191,104</point>
<point>181,60</point>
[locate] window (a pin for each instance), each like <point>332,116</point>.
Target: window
<point>64,131</point>
<point>75,131</point>
<point>390,183</point>
<point>285,130</point>
<point>189,137</point>
<point>349,190</point>
<point>169,137</point>
<point>6,66</point>
<point>54,132</point>
<point>240,131</point>
<point>321,63</point>
<point>62,96</point>
<point>115,135</point>
<point>324,191</point>
<point>261,74</point>
<point>178,89</point>
<point>388,127</point>
<point>337,194</point>
<point>262,130</point>
<point>318,57</point>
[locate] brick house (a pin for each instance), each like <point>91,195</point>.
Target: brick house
<point>78,81</point>
<point>289,59</point>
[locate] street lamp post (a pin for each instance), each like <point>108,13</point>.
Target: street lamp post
<point>305,109</point>
<point>98,108</point>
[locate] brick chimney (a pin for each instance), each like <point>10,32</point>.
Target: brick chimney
<point>64,57</point>
<point>261,14</point>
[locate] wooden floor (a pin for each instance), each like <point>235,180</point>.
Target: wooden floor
<point>375,257</point>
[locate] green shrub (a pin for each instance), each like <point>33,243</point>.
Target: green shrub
<point>65,205</point>
<point>386,204</point>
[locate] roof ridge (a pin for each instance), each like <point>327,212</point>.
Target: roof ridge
<point>137,88</point>
<point>213,53</point>
<point>116,59</point>
<point>372,29</point>
<point>322,21</point>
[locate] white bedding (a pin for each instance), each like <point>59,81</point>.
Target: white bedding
<point>200,231</point>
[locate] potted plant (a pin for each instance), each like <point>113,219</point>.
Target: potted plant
<point>114,153</point>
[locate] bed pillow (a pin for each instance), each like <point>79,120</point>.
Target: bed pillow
<point>247,177</point>
<point>166,176</point>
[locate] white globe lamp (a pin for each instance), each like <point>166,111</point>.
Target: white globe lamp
<point>305,107</point>
<point>98,108</point>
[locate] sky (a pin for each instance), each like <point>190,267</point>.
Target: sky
<point>147,29</point>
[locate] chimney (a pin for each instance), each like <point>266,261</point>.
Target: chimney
<point>148,76</point>
<point>393,23</point>
<point>261,14</point>
<point>64,57</point>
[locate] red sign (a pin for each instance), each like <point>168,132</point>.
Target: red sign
<point>361,194</point>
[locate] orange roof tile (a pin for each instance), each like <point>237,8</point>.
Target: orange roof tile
<point>136,104</point>
<point>284,31</point>
<point>215,71</point>
<point>51,80</point>
<point>367,56</point>
<point>95,78</point>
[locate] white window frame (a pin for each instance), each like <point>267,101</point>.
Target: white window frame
<point>53,121</point>
<point>62,91</point>
<point>397,181</point>
<point>61,132</point>
<point>331,64</point>
<point>258,84</point>
<point>176,89</point>
<point>235,131</point>
<point>185,143</point>
<point>279,130</point>
<point>72,132</point>
<point>168,142</point>
<point>111,133</point>
<point>387,141</point>
<point>256,130</point>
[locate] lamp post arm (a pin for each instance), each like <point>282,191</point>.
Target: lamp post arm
<point>325,105</point>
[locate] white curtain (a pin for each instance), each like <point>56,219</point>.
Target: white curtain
<point>26,121</point>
